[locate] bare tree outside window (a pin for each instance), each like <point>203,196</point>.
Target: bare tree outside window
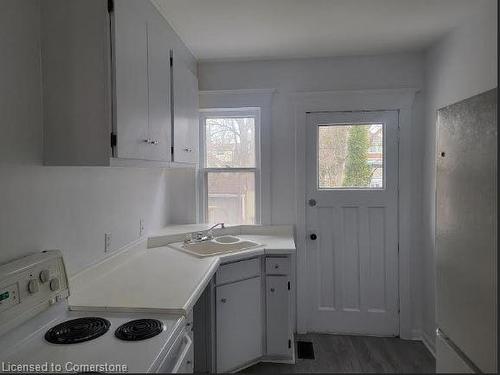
<point>230,169</point>
<point>230,142</point>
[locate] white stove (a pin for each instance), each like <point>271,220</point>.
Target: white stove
<point>39,334</point>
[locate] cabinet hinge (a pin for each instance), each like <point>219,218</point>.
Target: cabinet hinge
<point>111,6</point>
<point>289,285</point>
<point>172,150</point>
<point>171,58</point>
<point>289,344</point>
<point>113,140</point>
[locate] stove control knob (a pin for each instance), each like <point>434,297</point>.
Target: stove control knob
<point>54,284</point>
<point>44,276</point>
<point>33,286</point>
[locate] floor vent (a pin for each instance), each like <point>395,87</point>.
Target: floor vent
<point>305,350</point>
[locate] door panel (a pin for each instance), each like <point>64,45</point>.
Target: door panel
<point>353,263</point>
<point>277,302</point>
<point>186,119</point>
<point>131,79</point>
<point>239,324</point>
<point>466,227</point>
<point>159,90</point>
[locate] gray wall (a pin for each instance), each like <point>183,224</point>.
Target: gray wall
<point>460,65</point>
<point>325,74</point>
<point>69,208</point>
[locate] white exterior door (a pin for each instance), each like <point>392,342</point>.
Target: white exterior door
<point>352,222</point>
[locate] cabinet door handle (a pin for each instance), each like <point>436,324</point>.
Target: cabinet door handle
<point>151,141</point>
<point>188,149</point>
<point>223,300</point>
<point>272,290</point>
<point>276,266</point>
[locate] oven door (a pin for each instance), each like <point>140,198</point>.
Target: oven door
<point>180,357</point>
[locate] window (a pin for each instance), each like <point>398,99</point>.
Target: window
<point>351,156</point>
<point>230,166</point>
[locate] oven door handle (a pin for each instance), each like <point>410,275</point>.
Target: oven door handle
<point>182,357</point>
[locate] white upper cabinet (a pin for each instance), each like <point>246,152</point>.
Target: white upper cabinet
<point>76,76</point>
<point>107,83</point>
<point>186,119</point>
<point>130,60</point>
<point>159,83</point>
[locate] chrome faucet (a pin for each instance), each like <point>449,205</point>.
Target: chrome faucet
<point>203,235</point>
<point>215,226</point>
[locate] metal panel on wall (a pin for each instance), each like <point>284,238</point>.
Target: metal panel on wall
<point>466,223</point>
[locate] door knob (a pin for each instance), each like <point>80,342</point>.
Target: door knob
<point>223,300</point>
<point>312,202</point>
<point>313,236</point>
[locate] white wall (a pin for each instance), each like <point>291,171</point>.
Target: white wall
<point>69,208</point>
<point>460,65</point>
<point>325,74</point>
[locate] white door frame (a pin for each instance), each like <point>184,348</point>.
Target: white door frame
<point>355,100</point>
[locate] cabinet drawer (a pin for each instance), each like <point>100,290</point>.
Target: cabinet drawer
<point>238,271</point>
<point>277,266</point>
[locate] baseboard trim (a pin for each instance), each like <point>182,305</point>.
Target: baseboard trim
<point>429,343</point>
<point>418,335</point>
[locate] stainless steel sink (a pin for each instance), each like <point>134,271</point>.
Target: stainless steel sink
<point>227,239</point>
<point>215,246</point>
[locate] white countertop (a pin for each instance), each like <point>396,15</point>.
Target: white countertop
<point>161,278</point>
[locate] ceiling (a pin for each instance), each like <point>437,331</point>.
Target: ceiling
<point>273,29</point>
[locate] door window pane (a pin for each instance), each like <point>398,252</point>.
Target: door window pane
<point>351,156</point>
<point>230,142</point>
<point>231,197</point>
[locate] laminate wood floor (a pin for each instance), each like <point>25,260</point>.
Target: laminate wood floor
<point>338,353</point>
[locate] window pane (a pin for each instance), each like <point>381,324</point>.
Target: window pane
<point>351,156</point>
<point>231,197</point>
<point>230,142</point>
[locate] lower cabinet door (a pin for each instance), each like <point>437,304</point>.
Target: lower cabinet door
<point>239,324</point>
<point>277,316</point>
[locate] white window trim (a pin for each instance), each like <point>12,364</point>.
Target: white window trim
<point>254,112</point>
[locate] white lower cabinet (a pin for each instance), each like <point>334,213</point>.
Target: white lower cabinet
<point>253,314</point>
<point>239,323</point>
<point>279,335</point>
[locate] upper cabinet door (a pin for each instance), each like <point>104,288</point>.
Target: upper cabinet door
<point>131,79</point>
<point>159,80</point>
<point>75,54</point>
<point>186,118</point>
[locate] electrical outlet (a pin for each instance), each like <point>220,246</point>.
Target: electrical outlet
<point>107,242</point>
<point>141,227</point>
